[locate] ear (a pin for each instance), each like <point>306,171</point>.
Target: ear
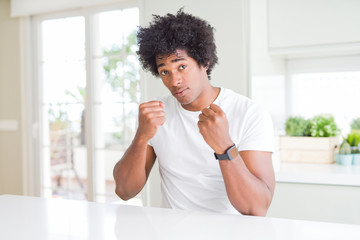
<point>207,66</point>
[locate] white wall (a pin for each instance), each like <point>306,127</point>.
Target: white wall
<point>11,165</point>
<point>262,64</point>
<point>265,69</point>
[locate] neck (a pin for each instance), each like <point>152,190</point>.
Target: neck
<point>207,97</point>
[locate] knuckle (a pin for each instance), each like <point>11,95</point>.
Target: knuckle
<point>222,114</point>
<point>142,105</point>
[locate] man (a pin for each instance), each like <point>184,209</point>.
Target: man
<point>214,147</point>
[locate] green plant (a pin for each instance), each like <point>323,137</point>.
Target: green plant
<point>355,124</point>
<point>353,139</point>
<point>324,126</point>
<point>297,126</point>
<point>345,148</point>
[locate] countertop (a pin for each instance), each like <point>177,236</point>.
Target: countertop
<point>332,174</point>
<point>35,218</point>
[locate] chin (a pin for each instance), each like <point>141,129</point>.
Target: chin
<point>184,101</point>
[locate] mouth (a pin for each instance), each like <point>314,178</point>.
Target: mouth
<point>180,92</point>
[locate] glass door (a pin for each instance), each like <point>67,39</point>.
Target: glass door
<point>63,86</point>
<point>88,64</point>
<point>116,95</point>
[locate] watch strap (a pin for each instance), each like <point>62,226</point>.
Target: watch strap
<point>229,154</point>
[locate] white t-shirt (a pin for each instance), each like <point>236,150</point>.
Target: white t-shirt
<point>191,178</point>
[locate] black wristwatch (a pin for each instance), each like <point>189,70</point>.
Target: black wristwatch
<point>230,154</point>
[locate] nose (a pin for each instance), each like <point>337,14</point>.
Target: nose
<point>176,79</point>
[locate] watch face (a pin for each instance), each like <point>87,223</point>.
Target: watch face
<point>232,152</point>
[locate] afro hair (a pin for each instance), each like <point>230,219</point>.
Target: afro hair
<point>169,33</point>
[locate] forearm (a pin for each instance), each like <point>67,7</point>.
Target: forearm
<point>130,172</point>
<point>247,193</point>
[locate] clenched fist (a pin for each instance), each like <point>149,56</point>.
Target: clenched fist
<point>151,116</point>
<point>214,127</point>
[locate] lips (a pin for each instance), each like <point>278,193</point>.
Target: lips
<point>180,92</point>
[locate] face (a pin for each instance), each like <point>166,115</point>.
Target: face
<point>186,80</point>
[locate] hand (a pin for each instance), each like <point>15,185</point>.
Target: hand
<point>151,116</point>
<point>214,128</point>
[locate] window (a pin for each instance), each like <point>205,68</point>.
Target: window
<point>335,93</point>
<point>88,100</point>
<point>325,86</point>
<point>311,86</point>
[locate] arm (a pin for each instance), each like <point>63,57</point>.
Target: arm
<point>249,178</point>
<point>249,181</point>
<point>133,169</point>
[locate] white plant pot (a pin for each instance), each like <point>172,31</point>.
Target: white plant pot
<point>356,159</point>
<point>346,159</point>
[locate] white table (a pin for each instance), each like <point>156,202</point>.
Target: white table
<point>38,218</point>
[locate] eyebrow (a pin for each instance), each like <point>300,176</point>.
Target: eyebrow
<point>175,60</point>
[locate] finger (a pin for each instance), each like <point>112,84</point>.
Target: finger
<point>152,104</point>
<point>154,114</point>
<point>153,119</point>
<point>208,112</point>
<point>145,109</point>
<point>215,108</point>
<point>202,117</point>
<point>161,121</point>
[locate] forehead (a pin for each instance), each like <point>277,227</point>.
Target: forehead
<point>179,53</point>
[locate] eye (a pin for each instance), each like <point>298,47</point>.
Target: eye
<point>182,67</point>
<point>164,72</point>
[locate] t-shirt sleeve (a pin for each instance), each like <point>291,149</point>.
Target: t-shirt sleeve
<point>150,143</point>
<point>258,131</point>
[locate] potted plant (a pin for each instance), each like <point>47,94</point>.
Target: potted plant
<point>356,155</point>
<point>353,138</point>
<point>344,157</point>
<point>323,126</point>
<point>297,126</point>
<point>310,140</point>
